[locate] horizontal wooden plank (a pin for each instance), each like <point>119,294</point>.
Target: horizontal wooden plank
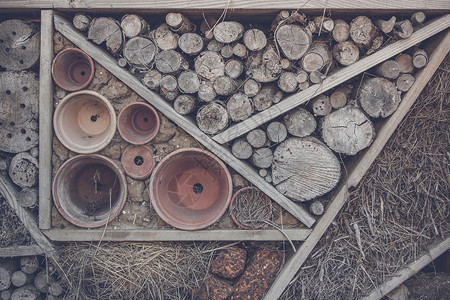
<point>66,28</point>
<point>399,5</point>
<point>143,235</point>
<point>409,270</point>
<point>45,119</point>
<point>333,80</point>
<point>357,172</point>
<point>15,251</point>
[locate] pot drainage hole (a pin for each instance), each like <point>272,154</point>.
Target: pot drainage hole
<point>138,160</point>
<point>94,118</point>
<point>197,188</point>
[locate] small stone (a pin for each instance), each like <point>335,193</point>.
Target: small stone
<point>167,130</point>
<point>239,181</point>
<point>215,289</point>
<point>34,152</point>
<point>135,190</point>
<point>229,263</point>
<point>58,149</point>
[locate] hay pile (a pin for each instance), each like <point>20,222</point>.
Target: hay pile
<point>401,206</point>
<point>135,270</point>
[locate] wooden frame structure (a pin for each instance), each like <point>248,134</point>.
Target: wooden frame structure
<point>359,165</point>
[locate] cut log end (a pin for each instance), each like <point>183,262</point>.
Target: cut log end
<point>262,158</point>
<point>184,104</point>
<point>239,107</point>
<point>405,82</point>
<point>378,97</point>
<point>276,132</point>
<point>212,118</point>
<point>300,122</point>
<point>242,149</point>
<point>257,138</point>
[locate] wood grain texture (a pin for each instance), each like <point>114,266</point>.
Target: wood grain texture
<point>45,120</point>
<point>409,270</point>
<point>67,29</point>
<point>358,169</point>
<point>221,4</point>
<point>139,235</point>
<point>333,80</point>
<point>16,251</point>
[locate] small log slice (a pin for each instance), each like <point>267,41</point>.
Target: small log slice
<point>133,25</point>
<point>300,122</point>
<point>293,40</point>
<point>386,26</point>
<point>239,107</point>
<point>317,208</point>
<point>228,32</point>
<point>179,23</point>
<point>28,197</point>
<point>19,45</point>
<point>139,52</point>
<point>321,105</point>
<point>304,168</point>
<point>257,138</point>
<point>209,65</point>
<point>341,31</point>
<point>287,82</point>
<point>7,268</point>
<point>347,130</point>
<point>252,87</point>
<point>255,39</point>
<point>265,65</point>
<point>27,292</point>
<point>242,149</point>
<point>363,32</point>
<point>206,92</point>
<point>227,51</point>
<point>212,118</point>
<point>165,38</point>
<point>420,58</point>
<point>23,170</point>
<point>339,97</point>
<point>405,63</point>
<point>403,29</point>
<point>19,278</point>
<point>215,46</point>
<point>106,30</point>
<point>378,97</point>
<point>405,82</point>
<point>81,21</point>
<point>240,50</point>
<point>234,68</point>
<point>276,132</point>
<point>262,158</point>
<point>168,61</point>
<point>29,264</point>
<point>324,24</point>
<point>346,53</point>
<point>264,99</point>
<point>152,79</point>
<point>190,43</point>
<point>188,82</point>
<point>317,57</point>
<point>418,18</point>
<point>388,69</point>
<point>19,97</point>
<point>184,104</point>
<point>224,85</point>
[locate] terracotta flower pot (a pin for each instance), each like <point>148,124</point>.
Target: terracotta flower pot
<point>190,189</point>
<point>72,69</point>
<point>257,201</point>
<point>84,122</point>
<point>138,161</point>
<point>138,123</point>
<point>89,190</point>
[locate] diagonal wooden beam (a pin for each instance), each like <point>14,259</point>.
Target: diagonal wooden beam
<point>66,28</point>
<point>333,80</point>
<point>434,251</point>
<point>357,172</point>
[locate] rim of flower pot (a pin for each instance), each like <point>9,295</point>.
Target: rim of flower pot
<point>138,123</point>
<point>233,200</point>
<point>89,190</point>
<point>73,69</point>
<point>84,122</point>
<point>138,161</point>
<point>190,189</point>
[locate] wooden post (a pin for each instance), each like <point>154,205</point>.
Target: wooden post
<point>45,118</point>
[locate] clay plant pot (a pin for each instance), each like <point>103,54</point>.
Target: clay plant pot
<point>138,123</point>
<point>84,122</point>
<point>89,190</point>
<point>190,189</point>
<point>138,161</point>
<point>72,69</point>
<point>257,200</point>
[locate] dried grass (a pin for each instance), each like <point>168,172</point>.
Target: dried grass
<point>251,208</point>
<point>401,207</point>
<point>135,270</point>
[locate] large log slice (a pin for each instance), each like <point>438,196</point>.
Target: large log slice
<point>106,30</point>
<point>304,168</point>
<point>378,97</point>
<point>347,130</point>
<point>19,45</point>
<point>19,98</point>
<point>293,40</point>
